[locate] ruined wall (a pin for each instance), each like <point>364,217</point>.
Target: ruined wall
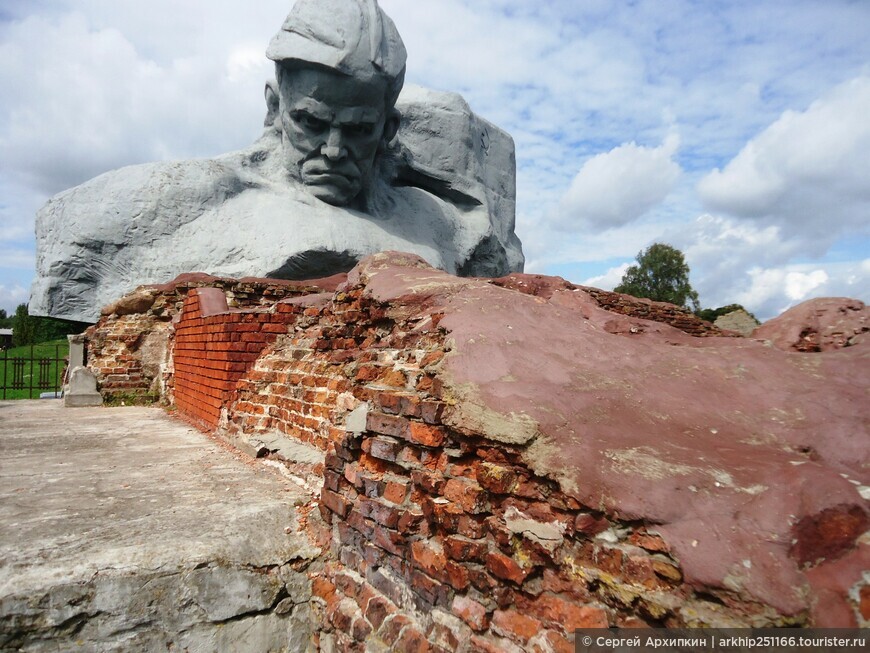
<point>436,533</point>
<point>129,349</point>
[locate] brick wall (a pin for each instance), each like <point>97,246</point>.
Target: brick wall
<point>434,539</point>
<point>214,347</point>
<point>129,349</point>
<point>437,538</point>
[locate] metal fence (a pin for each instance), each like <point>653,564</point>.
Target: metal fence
<point>29,376</point>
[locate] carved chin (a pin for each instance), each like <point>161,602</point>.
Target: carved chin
<point>337,190</point>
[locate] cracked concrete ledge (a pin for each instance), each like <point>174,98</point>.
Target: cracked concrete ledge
<point>125,530</point>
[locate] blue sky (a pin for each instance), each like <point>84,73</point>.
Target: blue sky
<point>736,131</point>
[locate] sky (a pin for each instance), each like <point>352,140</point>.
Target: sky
<point>737,131</point>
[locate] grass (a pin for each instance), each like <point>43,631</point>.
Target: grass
<point>54,350</point>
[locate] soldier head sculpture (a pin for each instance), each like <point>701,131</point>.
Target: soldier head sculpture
<point>340,67</point>
<point>350,164</point>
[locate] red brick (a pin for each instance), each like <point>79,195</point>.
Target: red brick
<point>467,494</point>
<point>392,425</point>
<point>393,378</point>
<point>392,627</point>
<point>431,591</point>
<point>456,575</point>
<point>516,626</point>
<point>443,637</point>
<point>649,542</point>
<point>495,478</point>
<point>389,540</point>
<point>555,643</point>
<point>396,490</point>
<point>342,613</point>
<point>464,549</point>
<point>346,583</point>
<point>471,612</point>
<point>432,411</point>
<point>360,629</point>
<point>389,402</point>
<point>426,434</point>
<point>322,587</point>
<point>504,567</point>
<point>335,502</point>
<point>431,482</point>
<point>491,645</point>
<point>480,579</point>
<point>412,521</point>
<point>352,474</point>
<point>471,527</point>
<point>568,616</point>
<point>383,447</point>
<point>410,406</point>
<point>412,639</point>
<point>384,514</point>
<point>377,609</point>
<point>429,556</point>
<point>609,559</point>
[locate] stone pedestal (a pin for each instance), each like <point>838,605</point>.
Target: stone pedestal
<point>81,390</point>
<point>76,350</point>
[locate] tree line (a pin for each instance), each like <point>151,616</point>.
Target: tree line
<point>30,329</point>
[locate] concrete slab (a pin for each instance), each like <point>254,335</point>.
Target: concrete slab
<point>124,529</point>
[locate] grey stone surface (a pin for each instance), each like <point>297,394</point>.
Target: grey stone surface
<point>355,422</point>
<point>81,389</point>
<point>76,350</point>
<point>125,530</point>
<point>739,321</point>
<point>342,170</point>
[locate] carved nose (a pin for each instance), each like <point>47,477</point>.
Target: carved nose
<point>334,147</point>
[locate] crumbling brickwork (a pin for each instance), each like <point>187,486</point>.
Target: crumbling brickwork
<point>435,535</point>
<point>619,303</point>
<point>129,348</point>
<point>439,538</point>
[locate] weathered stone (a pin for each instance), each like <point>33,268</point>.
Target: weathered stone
<point>822,324</point>
<point>81,390</point>
<point>146,552</point>
<point>738,321</point>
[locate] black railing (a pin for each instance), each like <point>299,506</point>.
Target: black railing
<point>22,376</point>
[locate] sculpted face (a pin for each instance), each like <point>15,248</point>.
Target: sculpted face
<point>332,126</point>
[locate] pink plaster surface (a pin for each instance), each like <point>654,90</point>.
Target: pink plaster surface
<point>746,459</point>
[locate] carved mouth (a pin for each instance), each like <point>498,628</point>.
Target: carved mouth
<point>330,179</point>
<point>321,173</point>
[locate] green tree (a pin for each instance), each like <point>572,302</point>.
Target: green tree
<point>23,327</point>
<point>661,274</point>
<point>5,320</point>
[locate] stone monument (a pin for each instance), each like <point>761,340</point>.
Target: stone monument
<point>349,164</point>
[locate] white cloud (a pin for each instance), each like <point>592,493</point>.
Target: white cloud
<point>616,188</point>
<point>771,291</point>
<point>80,100</point>
<point>11,296</point>
<point>609,280</point>
<point>735,261</point>
<point>807,172</point>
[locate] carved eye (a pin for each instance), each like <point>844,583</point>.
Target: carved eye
<point>360,129</point>
<point>309,122</point>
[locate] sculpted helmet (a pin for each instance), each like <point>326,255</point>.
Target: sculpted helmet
<point>352,37</point>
